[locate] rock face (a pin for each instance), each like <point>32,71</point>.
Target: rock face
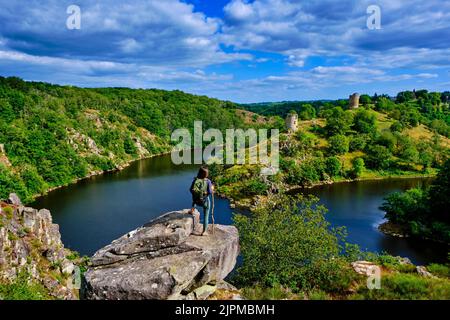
<point>30,242</point>
<point>163,259</point>
<point>363,267</point>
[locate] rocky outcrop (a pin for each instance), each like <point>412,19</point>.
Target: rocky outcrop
<point>30,243</point>
<point>163,259</point>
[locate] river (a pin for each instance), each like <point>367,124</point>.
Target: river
<point>95,211</point>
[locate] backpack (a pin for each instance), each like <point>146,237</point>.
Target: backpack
<point>199,190</point>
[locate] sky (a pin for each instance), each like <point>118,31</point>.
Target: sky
<point>238,50</point>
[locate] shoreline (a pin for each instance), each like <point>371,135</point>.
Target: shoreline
<point>233,202</point>
<point>248,203</point>
<point>119,168</point>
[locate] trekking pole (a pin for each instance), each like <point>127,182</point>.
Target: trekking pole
<point>212,213</point>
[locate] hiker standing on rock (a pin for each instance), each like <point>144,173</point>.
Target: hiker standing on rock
<point>201,189</point>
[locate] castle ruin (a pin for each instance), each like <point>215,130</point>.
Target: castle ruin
<point>292,122</point>
<point>354,101</point>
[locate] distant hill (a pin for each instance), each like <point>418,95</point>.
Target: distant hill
<point>52,135</point>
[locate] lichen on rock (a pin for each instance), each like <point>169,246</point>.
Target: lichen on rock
<point>163,259</point>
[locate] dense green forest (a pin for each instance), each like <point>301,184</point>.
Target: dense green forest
<point>53,135</point>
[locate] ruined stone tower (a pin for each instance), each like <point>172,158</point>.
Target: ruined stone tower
<point>354,101</point>
<point>292,122</point>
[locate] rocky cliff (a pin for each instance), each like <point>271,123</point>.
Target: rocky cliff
<point>30,245</point>
<point>164,259</point>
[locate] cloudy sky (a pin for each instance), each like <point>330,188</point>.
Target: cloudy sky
<point>239,50</point>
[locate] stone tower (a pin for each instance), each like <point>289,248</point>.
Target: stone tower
<point>292,122</point>
<point>354,101</point>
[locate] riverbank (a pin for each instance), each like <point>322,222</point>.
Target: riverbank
<point>92,174</point>
<point>249,202</point>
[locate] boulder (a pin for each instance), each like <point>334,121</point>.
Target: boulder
<point>164,259</point>
<point>14,199</point>
<point>363,267</point>
<point>422,270</point>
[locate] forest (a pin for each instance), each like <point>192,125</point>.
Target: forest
<point>53,135</point>
<point>380,139</point>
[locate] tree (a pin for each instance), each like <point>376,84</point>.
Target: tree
<point>365,121</point>
<point>333,166</point>
<point>384,104</point>
<point>405,96</point>
<point>358,167</point>
<point>439,194</point>
<point>338,121</point>
<point>338,144</point>
<point>396,126</point>
<point>378,157</point>
<point>307,112</point>
<point>288,241</point>
<point>365,99</point>
<point>403,207</point>
<point>358,142</point>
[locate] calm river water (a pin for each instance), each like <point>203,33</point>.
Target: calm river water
<point>96,211</point>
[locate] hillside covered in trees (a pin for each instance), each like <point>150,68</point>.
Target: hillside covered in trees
<point>409,108</point>
<point>382,138</point>
<point>52,135</point>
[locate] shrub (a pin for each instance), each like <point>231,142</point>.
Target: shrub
<point>365,121</point>
<point>333,166</point>
<point>378,157</point>
<point>21,289</point>
<point>339,144</point>
<point>397,126</point>
<point>357,167</point>
<point>287,241</point>
<point>358,142</point>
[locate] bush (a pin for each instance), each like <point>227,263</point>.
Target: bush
<point>405,207</point>
<point>254,187</point>
<point>21,289</point>
<point>358,142</point>
<point>288,242</point>
<point>339,144</point>
<point>365,121</point>
<point>333,166</point>
<point>378,157</point>
<point>397,126</point>
<point>358,167</point>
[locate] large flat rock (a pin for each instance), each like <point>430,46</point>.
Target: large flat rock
<point>162,260</point>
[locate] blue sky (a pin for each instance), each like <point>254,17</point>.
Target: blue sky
<point>239,50</point>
